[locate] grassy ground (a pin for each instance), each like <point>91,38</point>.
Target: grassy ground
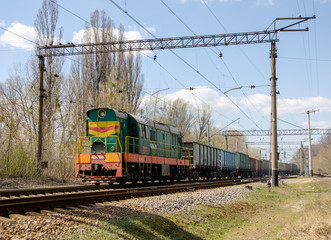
<point>297,209</point>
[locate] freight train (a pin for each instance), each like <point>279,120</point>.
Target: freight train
<point>121,147</point>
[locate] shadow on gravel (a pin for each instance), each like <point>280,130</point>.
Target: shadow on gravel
<point>123,223</point>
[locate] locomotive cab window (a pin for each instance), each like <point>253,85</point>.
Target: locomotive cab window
<point>143,131</point>
<point>152,135</point>
<point>179,140</point>
<point>174,140</point>
<point>133,130</point>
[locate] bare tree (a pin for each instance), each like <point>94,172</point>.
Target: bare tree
<point>46,25</point>
<point>108,79</point>
<point>203,122</point>
<point>178,113</point>
<point>16,133</point>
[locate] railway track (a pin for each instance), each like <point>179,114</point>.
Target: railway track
<point>21,201</point>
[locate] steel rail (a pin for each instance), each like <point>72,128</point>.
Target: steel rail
<point>36,203</point>
<point>74,188</point>
<point>56,189</point>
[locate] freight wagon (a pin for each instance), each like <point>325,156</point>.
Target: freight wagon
<point>205,160</point>
<point>252,167</point>
<point>242,166</point>
<point>227,163</point>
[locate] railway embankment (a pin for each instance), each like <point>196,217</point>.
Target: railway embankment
<point>297,209</point>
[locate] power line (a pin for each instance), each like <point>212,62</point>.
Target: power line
<point>145,55</point>
<point>290,123</point>
<point>177,17</point>
<point>19,35</point>
<point>72,13</point>
<point>189,65</point>
<point>307,59</point>
<point>165,69</point>
<point>242,51</point>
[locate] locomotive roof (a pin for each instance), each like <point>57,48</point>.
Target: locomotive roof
<point>157,125</point>
<point>147,122</point>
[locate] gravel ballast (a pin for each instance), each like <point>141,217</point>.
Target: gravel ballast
<point>62,223</point>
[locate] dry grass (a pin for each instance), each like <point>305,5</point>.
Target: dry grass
<point>297,209</point>
<point>314,212</point>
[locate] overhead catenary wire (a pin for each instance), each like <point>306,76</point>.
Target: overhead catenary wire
<point>29,40</point>
<point>187,28</point>
<point>195,96</point>
<point>242,51</point>
<point>228,69</point>
<point>145,55</point>
<point>189,65</point>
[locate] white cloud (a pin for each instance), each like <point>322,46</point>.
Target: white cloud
<point>288,106</point>
<point>201,95</point>
<point>2,24</point>
<point>132,35</point>
<point>78,37</point>
<point>26,33</point>
<point>151,29</point>
<point>319,124</point>
<point>263,3</point>
<point>221,105</point>
<point>261,102</point>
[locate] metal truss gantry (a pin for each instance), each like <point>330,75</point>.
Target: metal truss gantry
<point>160,43</point>
<point>286,132</point>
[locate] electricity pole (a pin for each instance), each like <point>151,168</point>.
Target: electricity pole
<point>274,144</point>
<point>301,162</point>
<point>310,163</point>
<point>40,121</point>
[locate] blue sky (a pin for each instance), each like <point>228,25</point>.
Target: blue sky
<point>303,63</point>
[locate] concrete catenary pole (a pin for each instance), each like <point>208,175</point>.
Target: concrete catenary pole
<point>274,144</point>
<point>310,163</point>
<point>302,160</point>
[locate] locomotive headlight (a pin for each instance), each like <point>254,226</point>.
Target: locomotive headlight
<point>101,113</point>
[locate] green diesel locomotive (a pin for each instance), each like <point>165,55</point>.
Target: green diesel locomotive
<point>120,147</point>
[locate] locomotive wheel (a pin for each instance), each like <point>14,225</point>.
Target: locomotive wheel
<point>122,181</point>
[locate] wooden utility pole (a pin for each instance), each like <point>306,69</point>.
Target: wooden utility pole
<point>40,121</point>
<point>274,144</point>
